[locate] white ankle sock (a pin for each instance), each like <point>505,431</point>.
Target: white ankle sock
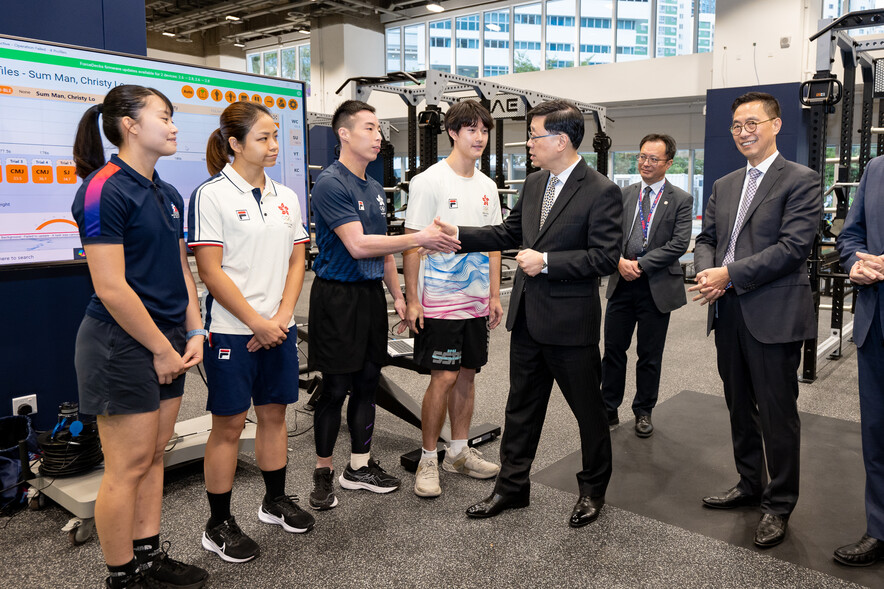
<point>429,454</point>
<point>457,447</point>
<point>357,461</point>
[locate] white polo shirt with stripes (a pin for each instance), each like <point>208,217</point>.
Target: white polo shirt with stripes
<point>257,231</point>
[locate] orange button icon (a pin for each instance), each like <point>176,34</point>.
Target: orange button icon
<point>268,101</point>
<point>187,92</point>
<point>202,93</point>
<point>243,96</point>
<point>256,98</point>
<point>230,96</point>
<point>16,173</point>
<point>280,102</point>
<point>42,174</point>
<point>293,104</point>
<point>217,95</point>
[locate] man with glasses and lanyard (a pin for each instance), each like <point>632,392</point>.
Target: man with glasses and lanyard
<point>649,283</point>
<point>758,229</point>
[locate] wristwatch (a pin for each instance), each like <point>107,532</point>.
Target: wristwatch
<point>545,265</point>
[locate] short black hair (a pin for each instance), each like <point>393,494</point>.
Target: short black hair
<point>666,139</point>
<point>561,117</point>
<point>466,113</point>
<point>771,104</point>
<point>345,112</point>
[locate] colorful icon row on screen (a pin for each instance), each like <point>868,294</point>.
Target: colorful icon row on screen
<point>231,96</point>
<point>17,171</point>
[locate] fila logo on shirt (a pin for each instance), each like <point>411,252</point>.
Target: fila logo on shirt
<point>224,353</point>
<point>242,214</point>
<point>361,205</point>
<point>452,203</point>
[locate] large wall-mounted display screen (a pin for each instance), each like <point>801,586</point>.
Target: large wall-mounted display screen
<point>46,88</point>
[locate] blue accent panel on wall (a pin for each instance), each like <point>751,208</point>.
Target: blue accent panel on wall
<point>721,154</point>
<point>43,308</point>
<point>115,25</point>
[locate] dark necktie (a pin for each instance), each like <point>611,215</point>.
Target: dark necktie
<point>636,244</point>
<point>548,198</point>
<point>751,187</point>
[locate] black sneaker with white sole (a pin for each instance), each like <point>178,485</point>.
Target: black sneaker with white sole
<point>284,511</point>
<point>323,495</point>
<point>229,542</point>
<point>372,478</point>
<point>168,572</point>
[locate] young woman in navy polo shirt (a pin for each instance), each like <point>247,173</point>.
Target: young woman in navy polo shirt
<point>248,237</point>
<point>142,330</point>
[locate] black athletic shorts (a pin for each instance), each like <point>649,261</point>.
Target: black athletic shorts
<point>347,325</point>
<point>448,344</point>
<point>115,373</point>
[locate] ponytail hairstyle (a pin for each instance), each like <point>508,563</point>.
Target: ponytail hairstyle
<point>236,121</point>
<point>121,101</point>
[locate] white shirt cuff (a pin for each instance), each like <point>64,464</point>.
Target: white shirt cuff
<point>545,269</point>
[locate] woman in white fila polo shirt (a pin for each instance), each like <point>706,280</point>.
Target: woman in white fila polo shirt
<point>248,237</point>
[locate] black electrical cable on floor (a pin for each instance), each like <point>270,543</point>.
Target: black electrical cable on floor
<point>65,455</point>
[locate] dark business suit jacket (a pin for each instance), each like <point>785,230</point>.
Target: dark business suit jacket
<point>581,235</point>
<point>864,232</point>
<point>668,240</point>
<point>769,272</point>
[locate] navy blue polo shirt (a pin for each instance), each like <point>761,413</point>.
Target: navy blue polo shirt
<point>116,204</point>
<point>340,196</point>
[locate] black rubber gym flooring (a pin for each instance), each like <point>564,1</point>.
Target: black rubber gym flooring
<point>665,476</point>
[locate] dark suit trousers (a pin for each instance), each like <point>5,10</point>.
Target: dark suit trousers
<point>870,360</point>
<point>632,303</point>
<point>533,367</point>
<point>761,390</point>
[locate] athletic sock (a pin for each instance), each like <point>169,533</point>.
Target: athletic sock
<point>121,575</point>
<point>457,447</point>
<point>274,483</point>
<point>428,454</point>
<point>357,461</point>
<point>219,508</point>
<point>146,550</point>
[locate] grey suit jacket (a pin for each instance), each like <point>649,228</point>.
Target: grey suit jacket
<point>668,240</point>
<point>769,272</point>
<point>863,231</point>
<point>581,236</point>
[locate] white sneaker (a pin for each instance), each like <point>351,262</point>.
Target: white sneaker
<point>471,463</point>
<point>426,479</point>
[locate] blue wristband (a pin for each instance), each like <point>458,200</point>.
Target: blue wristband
<point>194,332</point>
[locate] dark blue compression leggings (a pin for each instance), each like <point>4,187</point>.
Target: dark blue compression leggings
<point>360,410</point>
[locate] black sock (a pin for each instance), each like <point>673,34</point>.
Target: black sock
<point>146,550</point>
<point>121,575</point>
<point>274,482</point>
<point>219,508</point>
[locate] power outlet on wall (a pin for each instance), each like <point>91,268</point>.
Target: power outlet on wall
<point>29,400</point>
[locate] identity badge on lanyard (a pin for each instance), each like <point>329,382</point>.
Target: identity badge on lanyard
<point>646,224</point>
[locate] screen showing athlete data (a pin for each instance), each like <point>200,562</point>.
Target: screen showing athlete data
<point>46,88</point>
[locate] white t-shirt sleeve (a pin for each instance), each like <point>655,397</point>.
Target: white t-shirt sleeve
<point>421,202</point>
<point>209,228</point>
<point>496,216</point>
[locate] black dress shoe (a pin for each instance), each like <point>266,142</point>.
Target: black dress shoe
<point>586,511</point>
<point>866,552</point>
<point>613,419</point>
<point>771,530</point>
<point>643,426</point>
<point>730,499</point>
<point>496,503</point>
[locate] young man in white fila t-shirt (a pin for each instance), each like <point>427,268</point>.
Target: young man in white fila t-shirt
<point>453,299</point>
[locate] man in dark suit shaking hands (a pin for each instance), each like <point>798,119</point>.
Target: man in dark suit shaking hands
<point>758,230</point>
<point>649,283</point>
<point>568,224</point>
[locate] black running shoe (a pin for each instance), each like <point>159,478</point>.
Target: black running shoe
<point>229,542</point>
<point>372,478</point>
<point>283,511</point>
<point>137,581</point>
<point>168,572</point>
<point>323,495</point>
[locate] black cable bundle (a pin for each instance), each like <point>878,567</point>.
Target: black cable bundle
<point>65,455</point>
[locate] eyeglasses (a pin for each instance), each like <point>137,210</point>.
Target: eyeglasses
<point>750,126</point>
<point>653,160</point>
<point>532,137</point>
